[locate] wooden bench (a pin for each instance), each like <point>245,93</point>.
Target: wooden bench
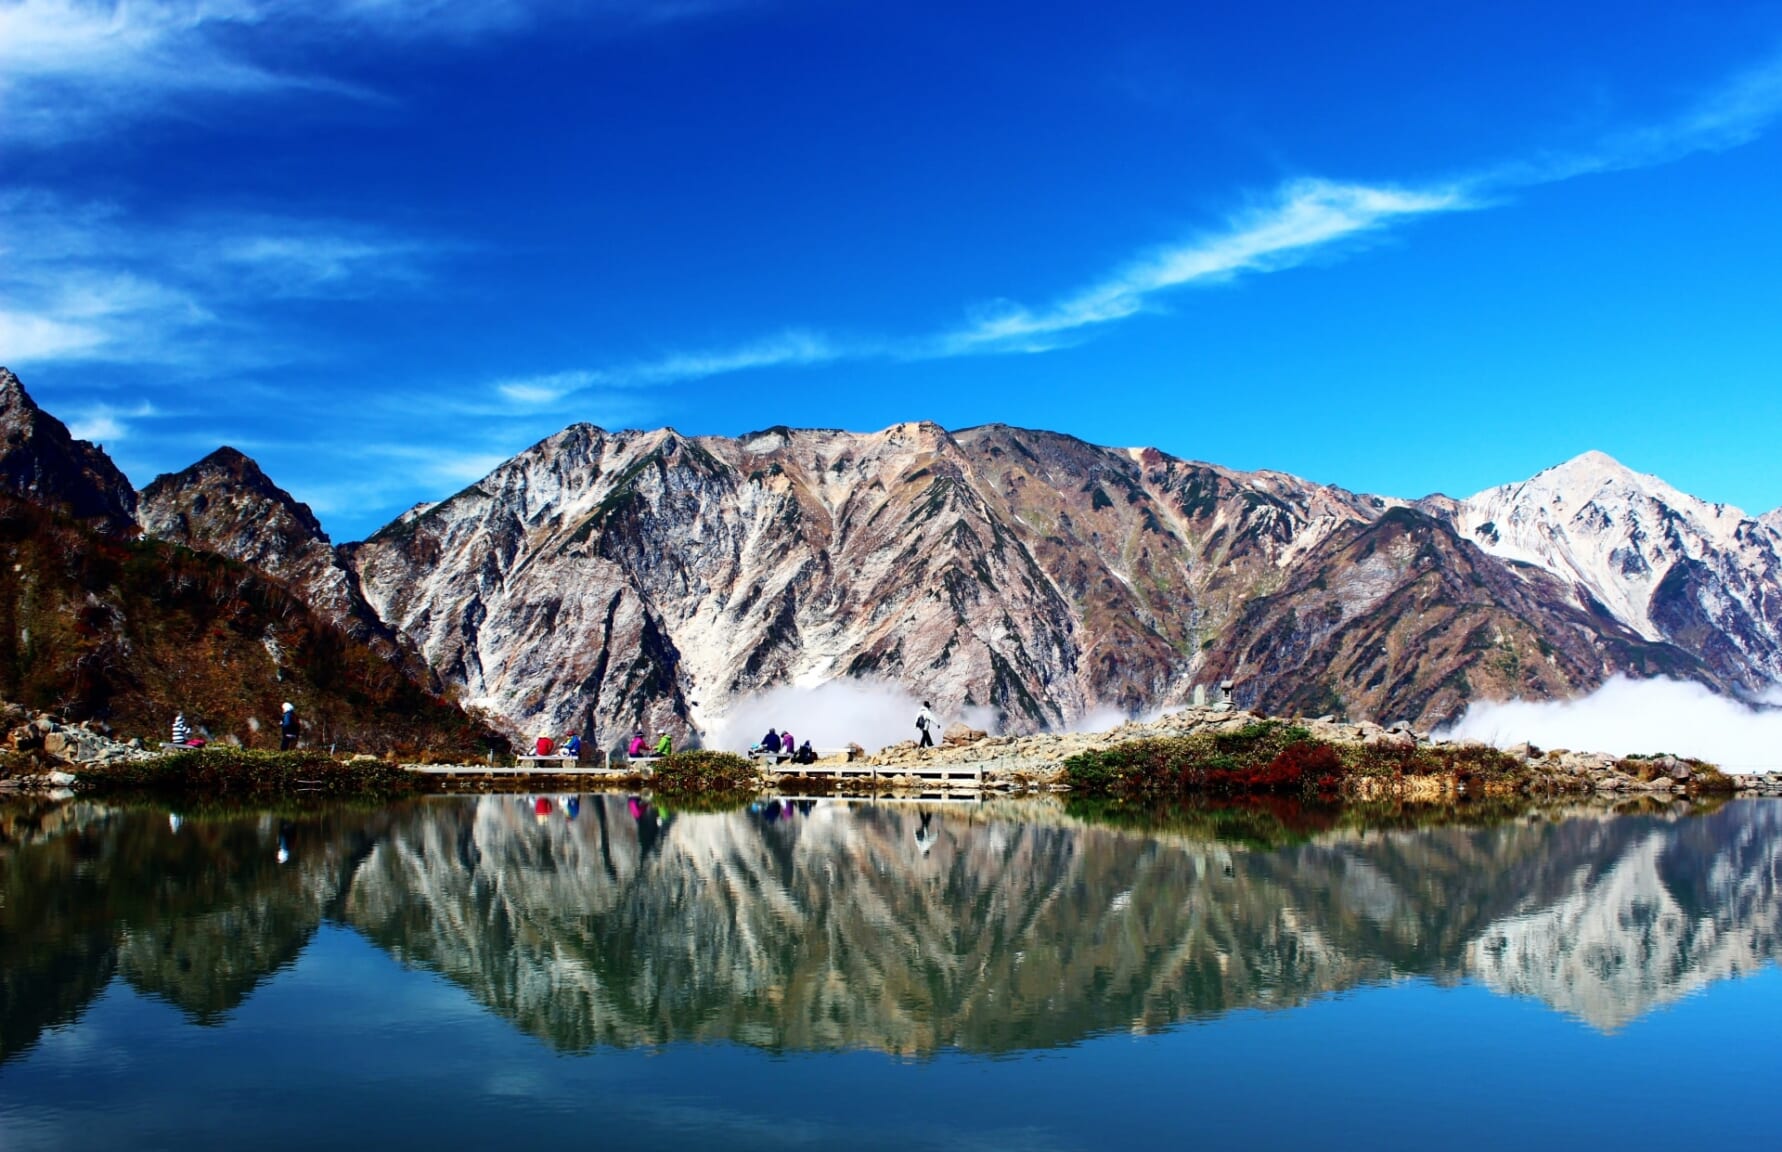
<point>561,759</point>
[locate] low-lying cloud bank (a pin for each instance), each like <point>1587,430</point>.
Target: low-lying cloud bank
<point>833,715</point>
<point>1625,717</point>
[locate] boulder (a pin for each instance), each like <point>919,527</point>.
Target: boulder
<point>1384,739</point>
<point>957,734</point>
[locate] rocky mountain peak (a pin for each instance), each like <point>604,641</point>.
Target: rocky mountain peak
<point>1665,563</point>
<point>42,461</point>
<point>225,503</point>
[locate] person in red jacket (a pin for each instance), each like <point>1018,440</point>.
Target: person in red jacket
<point>544,746</point>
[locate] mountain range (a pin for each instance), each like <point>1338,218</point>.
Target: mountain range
<point>600,580</point>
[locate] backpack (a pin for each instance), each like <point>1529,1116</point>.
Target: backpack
<point>922,722</point>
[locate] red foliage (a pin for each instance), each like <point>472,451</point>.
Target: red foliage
<point>1287,772</point>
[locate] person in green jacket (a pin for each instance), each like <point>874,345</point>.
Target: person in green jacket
<point>664,746</point>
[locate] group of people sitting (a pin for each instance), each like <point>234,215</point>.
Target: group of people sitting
<point>571,749</point>
<point>639,747</point>
<point>572,746</point>
<point>786,746</point>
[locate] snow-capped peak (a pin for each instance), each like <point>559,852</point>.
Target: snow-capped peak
<point>1619,534</point>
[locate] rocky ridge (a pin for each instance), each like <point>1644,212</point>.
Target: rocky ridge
<point>1666,565</point>
<point>601,581</point>
<point>226,504</point>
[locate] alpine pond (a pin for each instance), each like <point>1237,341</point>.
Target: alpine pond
<point>462,972</point>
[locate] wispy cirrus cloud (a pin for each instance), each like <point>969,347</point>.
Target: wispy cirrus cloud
<point>73,68</point>
<point>786,349</point>
<point>1299,221</point>
<point>1303,219</point>
<point>1730,115</point>
<point>82,281</point>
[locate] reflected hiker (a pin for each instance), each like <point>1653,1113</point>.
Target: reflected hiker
<point>287,728</point>
<point>925,724</point>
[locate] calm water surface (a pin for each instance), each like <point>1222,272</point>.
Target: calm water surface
<point>471,972</point>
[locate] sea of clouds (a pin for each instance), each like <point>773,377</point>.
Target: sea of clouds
<point>1625,717</point>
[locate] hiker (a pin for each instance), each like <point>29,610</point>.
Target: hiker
<point>664,746</point>
<point>805,754</point>
<point>637,747</point>
<point>543,747</point>
<point>787,745</point>
<point>287,728</point>
<point>771,741</point>
<point>925,725</point>
<point>572,747</point>
<point>180,732</point>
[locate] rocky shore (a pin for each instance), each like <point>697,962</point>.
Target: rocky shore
<point>1038,762</point>
<point>41,753</point>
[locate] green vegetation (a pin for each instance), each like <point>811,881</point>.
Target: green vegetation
<point>1271,758</point>
<point>216,773</point>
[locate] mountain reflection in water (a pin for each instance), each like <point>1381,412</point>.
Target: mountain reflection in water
<point>825,925</point>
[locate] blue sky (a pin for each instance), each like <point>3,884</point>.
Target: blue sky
<point>382,244</point>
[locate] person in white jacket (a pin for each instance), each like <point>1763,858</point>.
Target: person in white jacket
<point>925,725</point>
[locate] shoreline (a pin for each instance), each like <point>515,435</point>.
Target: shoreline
<point>1196,751</point>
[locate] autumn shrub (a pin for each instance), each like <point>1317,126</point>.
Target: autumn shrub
<point>701,771</point>
<point>1267,757</point>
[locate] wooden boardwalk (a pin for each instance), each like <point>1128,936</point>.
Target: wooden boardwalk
<point>873,778</point>
<point>529,770</point>
<point>946,775</point>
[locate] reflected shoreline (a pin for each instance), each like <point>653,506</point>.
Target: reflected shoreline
<point>814,924</point>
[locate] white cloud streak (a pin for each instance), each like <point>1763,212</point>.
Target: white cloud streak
<point>1304,218</point>
<point>787,349</point>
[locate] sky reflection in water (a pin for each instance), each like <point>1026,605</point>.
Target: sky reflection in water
<point>461,973</point>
